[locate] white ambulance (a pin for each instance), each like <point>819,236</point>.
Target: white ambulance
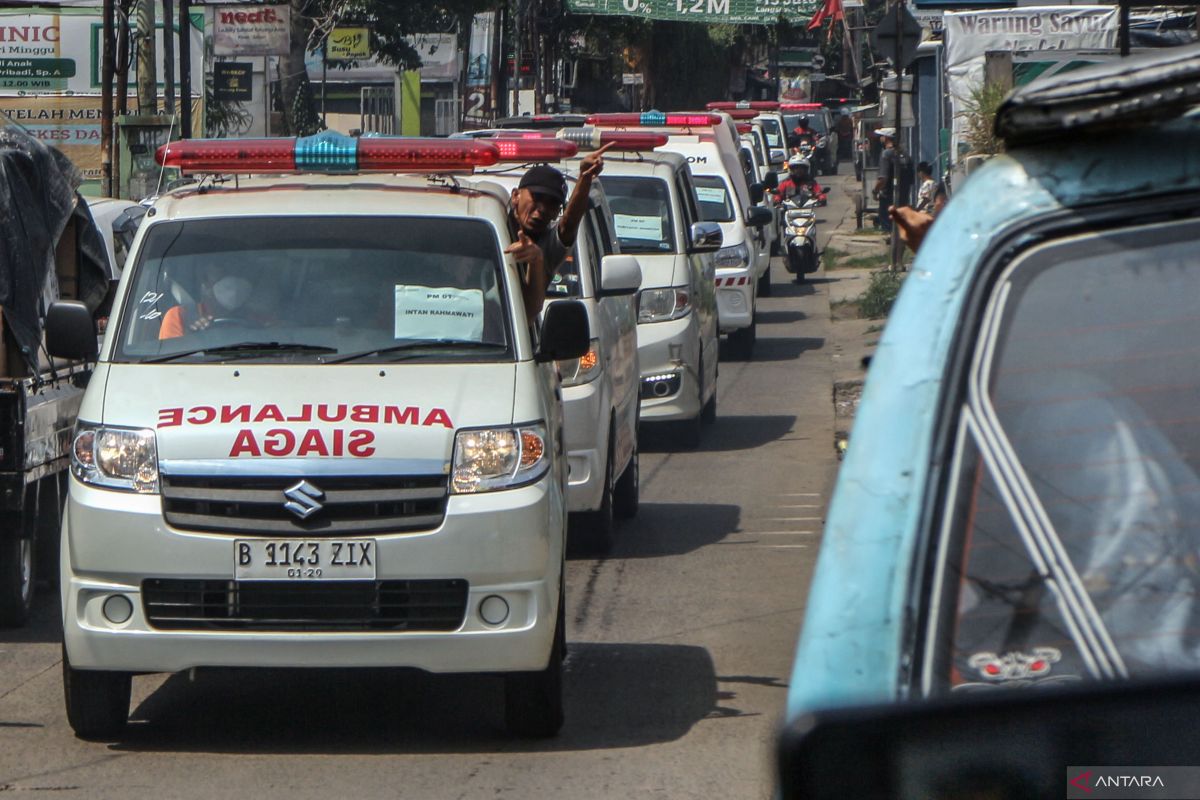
<point>321,432</point>
<point>601,389</point>
<point>657,219</point>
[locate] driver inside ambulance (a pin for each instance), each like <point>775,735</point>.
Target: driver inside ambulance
<point>224,295</point>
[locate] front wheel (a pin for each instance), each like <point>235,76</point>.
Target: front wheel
<point>97,701</point>
<point>742,341</point>
<point>628,489</point>
<point>16,579</point>
<point>688,431</point>
<point>764,282</point>
<point>533,701</point>
<point>600,523</point>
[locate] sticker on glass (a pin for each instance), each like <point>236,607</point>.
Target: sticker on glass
<point>711,194</point>
<point>636,226</point>
<point>1015,665</point>
<point>425,312</point>
<point>773,139</point>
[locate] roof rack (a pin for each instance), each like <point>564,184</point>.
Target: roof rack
<point>1121,93</point>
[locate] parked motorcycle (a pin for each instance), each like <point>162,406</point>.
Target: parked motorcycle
<point>800,234</point>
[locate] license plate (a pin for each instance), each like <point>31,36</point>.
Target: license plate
<point>304,560</point>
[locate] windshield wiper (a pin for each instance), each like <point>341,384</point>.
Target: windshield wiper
<point>419,344</point>
<point>244,349</point>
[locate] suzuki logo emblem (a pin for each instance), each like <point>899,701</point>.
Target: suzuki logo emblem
<point>304,499</point>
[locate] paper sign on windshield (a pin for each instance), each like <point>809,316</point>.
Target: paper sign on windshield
<point>773,139</point>
<point>424,312</point>
<point>710,194</point>
<point>635,226</point>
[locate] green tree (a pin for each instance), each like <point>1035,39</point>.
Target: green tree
<point>390,22</point>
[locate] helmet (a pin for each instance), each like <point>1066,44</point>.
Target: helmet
<point>797,161</point>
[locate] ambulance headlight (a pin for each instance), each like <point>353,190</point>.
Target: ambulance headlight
<point>578,371</point>
<point>487,459</point>
<point>660,305</point>
<point>115,458</point>
<point>734,257</point>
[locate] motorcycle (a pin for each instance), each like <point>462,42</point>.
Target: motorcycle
<point>800,235</point>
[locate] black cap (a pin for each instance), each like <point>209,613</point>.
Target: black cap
<point>545,181</point>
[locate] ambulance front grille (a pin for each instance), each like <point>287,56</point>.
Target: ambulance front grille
<point>392,605</point>
<point>347,505</point>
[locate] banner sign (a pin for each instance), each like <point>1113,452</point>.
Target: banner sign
<point>737,12</point>
<point>479,54</point>
<point>348,44</point>
<point>47,53</point>
<point>71,124</point>
<point>970,35</point>
<point>231,81</point>
<point>251,30</point>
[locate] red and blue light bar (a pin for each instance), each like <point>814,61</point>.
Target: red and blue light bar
<point>332,152</point>
<point>757,105</point>
<point>655,119</point>
<point>591,138</point>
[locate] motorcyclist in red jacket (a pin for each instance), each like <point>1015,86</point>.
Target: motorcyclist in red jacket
<point>799,179</point>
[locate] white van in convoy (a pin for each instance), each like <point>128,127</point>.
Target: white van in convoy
<point>657,219</point>
<point>742,262</point>
<point>601,389</point>
<point>321,432</point>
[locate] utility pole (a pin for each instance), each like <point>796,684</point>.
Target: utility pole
<point>147,72</point>
<point>169,54</point>
<point>897,254</point>
<point>516,89</point>
<point>185,69</point>
<point>107,46</point>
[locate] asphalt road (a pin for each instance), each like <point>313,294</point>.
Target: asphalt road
<point>680,642</point>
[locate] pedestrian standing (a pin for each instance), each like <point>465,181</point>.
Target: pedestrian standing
<point>891,167</point>
<point>925,187</point>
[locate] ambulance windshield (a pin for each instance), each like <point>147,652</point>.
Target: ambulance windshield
<point>296,289</point>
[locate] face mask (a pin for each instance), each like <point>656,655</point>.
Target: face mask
<point>232,292</point>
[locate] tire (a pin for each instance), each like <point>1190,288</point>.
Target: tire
<point>52,494</point>
<point>533,701</point>
<point>690,429</point>
<point>97,701</point>
<point>764,282</point>
<point>742,340</point>
<point>628,488</point>
<point>708,415</point>
<point>16,579</point>
<point>600,524</point>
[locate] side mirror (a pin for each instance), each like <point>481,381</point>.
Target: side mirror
<point>70,331</point>
<point>1004,742</point>
<point>778,156</point>
<point>619,275</point>
<point>771,181</point>
<point>706,237</point>
<point>565,331</point>
<point>758,216</point>
<point>757,192</point>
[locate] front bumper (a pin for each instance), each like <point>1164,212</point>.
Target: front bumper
<point>735,298</point>
<point>506,543</point>
<point>585,426</point>
<point>670,348</point>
